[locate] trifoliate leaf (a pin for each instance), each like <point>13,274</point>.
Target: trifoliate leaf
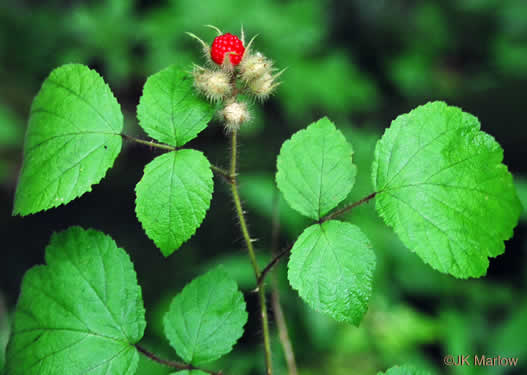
<point>170,109</point>
<point>206,319</point>
<point>173,197</point>
<point>80,314</point>
<point>73,138</point>
<point>404,370</point>
<point>315,170</point>
<point>331,266</point>
<point>443,189</point>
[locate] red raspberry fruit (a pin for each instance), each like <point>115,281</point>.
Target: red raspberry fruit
<point>227,43</point>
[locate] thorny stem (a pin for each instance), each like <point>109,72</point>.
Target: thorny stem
<point>343,210</point>
<point>248,242</point>
<point>239,209</point>
<point>172,364</point>
<point>275,296</point>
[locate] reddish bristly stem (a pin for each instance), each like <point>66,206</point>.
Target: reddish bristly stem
<point>273,263</point>
<point>345,209</point>
<point>172,364</point>
<point>250,249</point>
<point>148,143</point>
<point>331,216</point>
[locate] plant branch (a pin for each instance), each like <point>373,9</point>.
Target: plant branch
<point>148,143</point>
<point>172,364</point>
<point>239,209</point>
<point>345,209</point>
<point>272,263</point>
<point>248,242</point>
<point>220,171</point>
<point>282,332</point>
<point>223,173</point>
<point>278,312</point>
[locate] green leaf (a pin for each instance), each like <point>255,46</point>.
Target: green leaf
<point>331,266</point>
<point>315,170</point>
<point>80,314</point>
<point>443,189</point>
<point>148,367</point>
<point>170,110</point>
<point>206,319</point>
<point>190,372</point>
<point>173,197</point>
<point>404,370</point>
<point>73,138</point>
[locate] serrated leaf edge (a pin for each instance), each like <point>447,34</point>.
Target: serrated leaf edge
<point>15,211</point>
<point>167,254</point>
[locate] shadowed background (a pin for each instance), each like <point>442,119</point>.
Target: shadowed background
<point>359,62</point>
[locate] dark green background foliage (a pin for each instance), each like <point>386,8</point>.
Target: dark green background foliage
<point>359,62</point>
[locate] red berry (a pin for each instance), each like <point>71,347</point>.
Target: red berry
<point>227,43</point>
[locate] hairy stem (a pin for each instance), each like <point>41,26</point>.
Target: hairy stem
<point>333,215</point>
<point>223,173</point>
<point>239,209</point>
<point>248,242</point>
<point>345,209</point>
<point>172,364</point>
<point>148,143</point>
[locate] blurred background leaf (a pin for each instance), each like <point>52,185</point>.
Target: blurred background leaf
<point>361,62</point>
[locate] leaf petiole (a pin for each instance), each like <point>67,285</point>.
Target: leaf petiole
<point>172,364</point>
<point>347,208</point>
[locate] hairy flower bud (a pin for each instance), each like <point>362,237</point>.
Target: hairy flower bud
<point>234,115</point>
<point>214,84</point>
<point>263,86</point>
<point>254,66</point>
